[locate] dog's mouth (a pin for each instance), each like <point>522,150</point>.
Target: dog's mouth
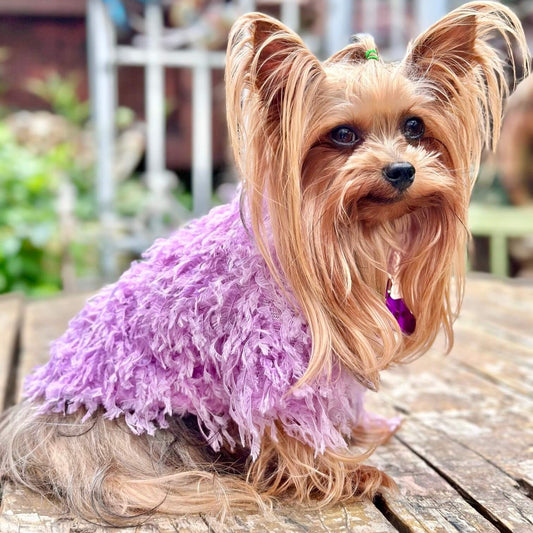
<point>384,200</point>
<point>374,208</point>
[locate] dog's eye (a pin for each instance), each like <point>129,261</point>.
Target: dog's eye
<point>413,128</point>
<point>344,136</point>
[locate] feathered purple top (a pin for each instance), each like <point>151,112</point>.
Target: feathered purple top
<point>200,327</point>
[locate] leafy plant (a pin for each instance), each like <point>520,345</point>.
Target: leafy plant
<point>29,251</point>
<point>32,247</point>
<point>61,93</point>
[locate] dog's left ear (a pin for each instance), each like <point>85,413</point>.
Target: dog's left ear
<point>476,51</point>
<point>446,50</point>
<point>476,35</point>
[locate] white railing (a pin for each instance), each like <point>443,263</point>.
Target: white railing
<point>105,55</point>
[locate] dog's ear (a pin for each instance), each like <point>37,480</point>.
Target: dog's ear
<point>446,50</point>
<point>272,58</point>
<point>476,51</point>
<point>278,51</point>
<point>476,35</point>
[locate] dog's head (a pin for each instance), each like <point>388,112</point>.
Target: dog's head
<point>356,171</point>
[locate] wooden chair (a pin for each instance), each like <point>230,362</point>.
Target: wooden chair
<point>499,223</point>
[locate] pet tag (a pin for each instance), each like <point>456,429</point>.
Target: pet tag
<point>400,311</point>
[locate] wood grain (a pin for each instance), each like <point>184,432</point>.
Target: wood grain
<point>362,517</point>
<point>493,493</point>
<point>501,361</point>
<point>24,511</point>
<point>426,502</point>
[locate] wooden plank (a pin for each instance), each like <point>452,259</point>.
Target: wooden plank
<point>498,360</point>
<point>10,318</point>
<point>475,434</point>
<point>362,517</point>
<point>433,384</point>
<point>426,503</point>
<point>44,321</point>
<point>508,329</point>
<point>466,422</point>
<point>485,486</point>
<point>26,511</point>
<point>493,421</point>
<point>504,438</point>
<point>481,289</point>
<point>503,308</point>
<point>23,510</point>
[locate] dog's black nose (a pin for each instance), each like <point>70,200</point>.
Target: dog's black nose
<point>399,175</point>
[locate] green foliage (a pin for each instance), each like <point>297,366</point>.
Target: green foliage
<point>29,248</point>
<point>32,247</point>
<point>61,93</point>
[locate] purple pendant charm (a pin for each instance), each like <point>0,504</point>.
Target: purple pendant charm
<point>401,312</point>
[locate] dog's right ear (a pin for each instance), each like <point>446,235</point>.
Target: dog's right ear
<point>273,59</point>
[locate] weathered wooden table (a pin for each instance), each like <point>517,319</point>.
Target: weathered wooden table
<point>463,458</point>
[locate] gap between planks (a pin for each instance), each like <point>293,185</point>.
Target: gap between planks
<point>10,322</point>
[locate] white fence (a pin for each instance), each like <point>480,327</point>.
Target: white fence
<point>105,55</point>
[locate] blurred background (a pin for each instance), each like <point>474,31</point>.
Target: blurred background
<point>112,128</point>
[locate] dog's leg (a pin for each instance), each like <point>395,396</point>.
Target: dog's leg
<point>286,467</point>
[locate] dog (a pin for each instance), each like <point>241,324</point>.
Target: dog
<point>228,367</point>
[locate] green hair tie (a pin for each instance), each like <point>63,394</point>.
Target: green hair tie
<point>372,54</point>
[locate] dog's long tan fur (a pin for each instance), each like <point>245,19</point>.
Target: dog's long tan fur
<point>338,234</point>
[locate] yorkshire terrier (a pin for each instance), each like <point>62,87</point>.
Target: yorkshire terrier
<point>228,367</point>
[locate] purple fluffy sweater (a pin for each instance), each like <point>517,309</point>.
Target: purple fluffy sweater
<point>198,327</point>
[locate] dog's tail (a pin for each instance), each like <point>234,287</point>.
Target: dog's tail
<point>100,470</point>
